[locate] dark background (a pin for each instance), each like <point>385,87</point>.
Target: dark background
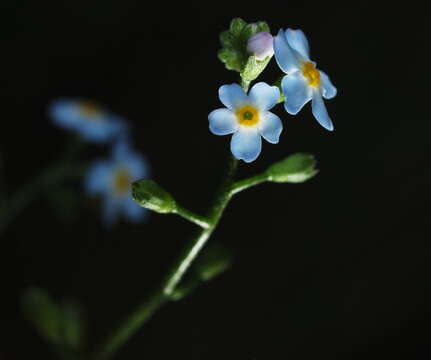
<point>337,267</point>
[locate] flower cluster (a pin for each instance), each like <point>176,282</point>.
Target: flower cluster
<point>111,179</point>
<point>246,116</point>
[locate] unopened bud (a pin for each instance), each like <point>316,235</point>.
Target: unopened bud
<point>261,45</point>
<point>296,168</point>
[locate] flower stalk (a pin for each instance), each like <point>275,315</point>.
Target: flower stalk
<point>145,311</point>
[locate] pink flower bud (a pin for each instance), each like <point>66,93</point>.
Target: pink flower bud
<point>260,45</point>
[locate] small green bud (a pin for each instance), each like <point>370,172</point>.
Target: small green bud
<point>295,168</point>
<point>214,260</point>
<point>150,195</point>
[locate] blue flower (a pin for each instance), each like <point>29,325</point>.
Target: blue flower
<point>303,81</point>
<point>111,179</point>
<point>247,118</point>
<point>88,119</point>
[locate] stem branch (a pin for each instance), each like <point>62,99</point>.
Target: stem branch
<point>191,216</point>
<point>144,312</point>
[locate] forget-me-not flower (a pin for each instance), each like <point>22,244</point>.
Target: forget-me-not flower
<point>88,119</point>
<point>112,179</point>
<point>303,81</point>
<point>247,118</point>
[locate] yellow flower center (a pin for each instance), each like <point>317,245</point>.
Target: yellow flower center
<point>89,109</point>
<point>311,73</point>
<point>122,181</point>
<point>247,115</point>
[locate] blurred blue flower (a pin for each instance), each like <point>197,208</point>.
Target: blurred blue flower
<point>111,179</point>
<point>247,118</point>
<point>303,81</point>
<point>88,119</point>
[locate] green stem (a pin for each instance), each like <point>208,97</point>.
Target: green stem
<point>191,216</point>
<point>132,322</point>
<point>245,84</point>
<point>247,183</point>
<point>144,312</point>
<point>220,202</point>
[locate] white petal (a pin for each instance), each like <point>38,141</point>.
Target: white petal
<point>298,41</point>
<point>319,111</point>
<point>263,96</point>
<point>246,144</point>
<point>222,122</point>
<point>328,90</point>
<point>297,92</point>
<point>284,54</point>
<point>270,127</point>
<point>232,96</point>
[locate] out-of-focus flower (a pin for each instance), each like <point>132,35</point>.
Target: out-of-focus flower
<point>88,119</point>
<point>261,45</point>
<point>303,81</point>
<point>247,118</point>
<point>112,179</point>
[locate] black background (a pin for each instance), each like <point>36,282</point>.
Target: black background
<point>337,267</point>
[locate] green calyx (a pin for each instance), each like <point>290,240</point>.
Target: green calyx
<point>152,196</point>
<point>295,168</point>
<point>234,48</point>
<point>277,83</point>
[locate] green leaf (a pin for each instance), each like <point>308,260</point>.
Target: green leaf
<point>296,168</point>
<point>230,58</point>
<point>236,26</point>
<point>234,48</point>
<point>150,195</point>
<point>73,325</point>
<point>214,260</point>
<point>43,313</point>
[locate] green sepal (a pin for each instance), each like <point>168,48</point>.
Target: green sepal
<point>296,168</point>
<point>234,48</point>
<point>152,196</point>
<point>277,83</point>
<point>43,313</point>
<point>254,67</point>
